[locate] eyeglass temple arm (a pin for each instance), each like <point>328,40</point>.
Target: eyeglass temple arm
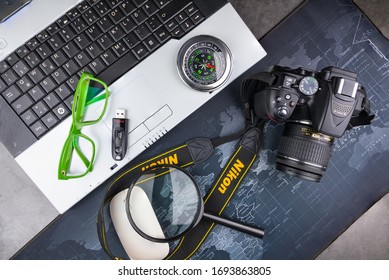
<point>257,232</point>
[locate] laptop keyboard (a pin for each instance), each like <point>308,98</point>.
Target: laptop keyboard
<point>104,37</point>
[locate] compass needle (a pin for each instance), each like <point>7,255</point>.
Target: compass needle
<point>204,63</point>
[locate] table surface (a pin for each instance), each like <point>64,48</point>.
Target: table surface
<point>300,218</point>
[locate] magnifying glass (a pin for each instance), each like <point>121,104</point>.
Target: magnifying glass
<point>176,201</point>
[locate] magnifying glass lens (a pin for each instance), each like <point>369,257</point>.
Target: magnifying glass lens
<point>164,203</point>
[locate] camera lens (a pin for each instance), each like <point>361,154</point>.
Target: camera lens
<point>303,152</point>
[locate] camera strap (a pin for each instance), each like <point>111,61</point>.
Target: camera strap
<point>190,153</point>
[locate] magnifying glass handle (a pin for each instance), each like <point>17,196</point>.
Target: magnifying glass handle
<point>257,232</point>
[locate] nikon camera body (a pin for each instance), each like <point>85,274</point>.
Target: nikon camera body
<point>317,108</point>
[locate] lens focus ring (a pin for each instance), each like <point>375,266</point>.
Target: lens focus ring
<point>305,150</point>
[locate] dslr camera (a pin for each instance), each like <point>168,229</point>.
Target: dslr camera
<point>317,107</point>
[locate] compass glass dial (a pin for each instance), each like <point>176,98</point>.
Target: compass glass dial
<point>204,63</point>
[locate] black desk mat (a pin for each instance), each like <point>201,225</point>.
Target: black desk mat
<point>301,218</point>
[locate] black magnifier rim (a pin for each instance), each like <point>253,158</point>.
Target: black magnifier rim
<point>170,239</point>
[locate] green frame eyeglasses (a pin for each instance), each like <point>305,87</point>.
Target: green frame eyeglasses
<point>84,95</point>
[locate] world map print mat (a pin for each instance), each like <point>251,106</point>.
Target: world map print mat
<point>301,218</point>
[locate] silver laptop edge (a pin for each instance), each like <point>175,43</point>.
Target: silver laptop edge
<point>153,94</point>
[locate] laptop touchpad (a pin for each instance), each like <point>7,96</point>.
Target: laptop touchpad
<point>145,108</point>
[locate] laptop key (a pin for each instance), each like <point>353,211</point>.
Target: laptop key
<point>72,83</point>
<point>139,3</point>
<point>101,7</point>
<point>105,23</point>
<point>25,84</point>
<point>93,32</point>
<point>119,68</point>
<point>97,65</point>
<point>32,59</point>
<point>40,109</point>
<point>82,41</point>
<point>67,33</point>
<point>36,75</point>
<point>131,40</point>
<point>187,25</point>
<point>28,117</point>
<point>43,36</point>
<point>153,23</point>
<point>120,48</point>
<point>63,91</point>
<point>22,104</point>
<point>56,42</point>
<point>151,43</point>
<point>63,21</point>
<point>140,51</point>
<point>9,77</point>
<point>93,50</point>
<point>36,93</point>
<point>38,129</point>
<point>22,51</point>
<point>91,16</point>
<point>12,59</point>
<point>44,51</point>
<point>162,3</point>
<point>128,24</point>
<point>197,18</point>
<point>117,15</point>
<point>82,59</point>
<point>170,10</point>
<point>47,66</point>
<point>70,67</point>
<point>61,111</point>
<point>48,84</point>
<point>20,68</point>
<point>113,3</point>
<point>11,94</point>
<point>50,120</point>
<point>139,16</point>
<point>150,8</point>
<point>59,76</point>
<point>178,33</point>
<point>53,28</point>
<point>59,58</point>
<point>69,102</point>
<point>128,7</point>
<point>79,24</point>
<point>51,100</point>
<point>70,49</point>
<point>82,7</point>
<point>108,57</point>
<point>105,41</point>
<point>32,44</point>
<point>73,13</point>
<point>162,34</point>
<point>4,66</point>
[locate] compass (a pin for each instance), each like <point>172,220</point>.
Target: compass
<point>204,63</point>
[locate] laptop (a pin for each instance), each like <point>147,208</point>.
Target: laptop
<point>47,44</point>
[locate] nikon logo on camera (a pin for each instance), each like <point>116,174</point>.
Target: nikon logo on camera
<point>171,160</point>
<point>232,175</point>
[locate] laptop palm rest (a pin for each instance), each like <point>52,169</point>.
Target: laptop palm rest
<point>143,118</point>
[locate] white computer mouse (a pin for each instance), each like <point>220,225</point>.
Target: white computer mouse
<point>137,247</point>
